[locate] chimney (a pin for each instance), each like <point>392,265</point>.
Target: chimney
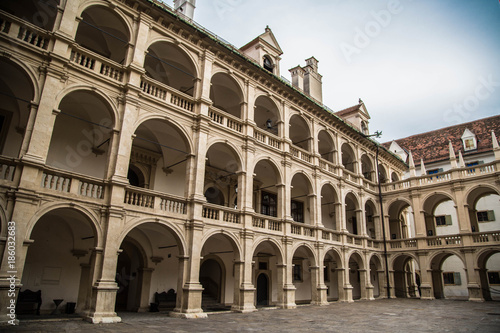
<point>185,8</point>
<point>312,80</point>
<point>297,77</point>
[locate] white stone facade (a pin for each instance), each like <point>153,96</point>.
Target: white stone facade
<point>140,155</point>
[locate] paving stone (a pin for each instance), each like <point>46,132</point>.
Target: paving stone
<point>388,316</point>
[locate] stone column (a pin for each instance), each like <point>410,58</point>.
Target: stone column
<point>473,276</point>
<point>143,298</point>
<point>426,289</point>
<point>366,285</point>
<point>382,284</point>
<point>244,290</point>
<point>102,303</point>
<point>12,266</point>
<point>285,273</point>
<point>190,305</point>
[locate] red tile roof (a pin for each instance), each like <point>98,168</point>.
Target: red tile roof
<point>343,112</point>
<point>433,146</point>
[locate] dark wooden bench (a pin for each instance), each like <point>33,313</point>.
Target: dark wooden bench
<point>29,302</point>
<point>164,301</point>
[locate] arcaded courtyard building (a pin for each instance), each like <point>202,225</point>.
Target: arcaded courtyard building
<point>141,154</point>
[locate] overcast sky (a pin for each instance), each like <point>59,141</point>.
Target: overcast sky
<point>418,65</point>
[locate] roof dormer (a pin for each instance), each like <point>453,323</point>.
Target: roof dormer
<point>396,149</point>
<point>265,50</point>
<point>469,140</point>
<point>357,116</point>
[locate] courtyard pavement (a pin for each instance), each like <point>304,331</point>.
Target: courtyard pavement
<point>384,315</point>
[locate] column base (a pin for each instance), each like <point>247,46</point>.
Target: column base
<point>103,319</point>
<point>197,315</point>
<point>475,294</point>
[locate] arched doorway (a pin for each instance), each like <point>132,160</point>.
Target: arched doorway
<point>405,284</point>
<point>129,263</point>
<point>211,280</point>
<point>148,264</point>
<point>59,262</point>
<point>449,279</point>
<point>262,290</point>
<point>218,274</point>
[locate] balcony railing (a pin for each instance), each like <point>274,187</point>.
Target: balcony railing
<point>300,153</point>
<point>167,94</point>
<point>65,182</point>
<point>327,166</point>
<point>225,119</point>
<point>221,214</point>
<point>350,176</point>
<point>96,63</point>
<point>7,169</point>
<point>164,202</point>
<point>267,138</point>
<point>303,230</point>
<point>267,222</point>
<point>449,175</point>
<point>24,31</point>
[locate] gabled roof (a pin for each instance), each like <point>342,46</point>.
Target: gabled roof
<point>267,38</point>
<point>360,107</point>
<point>433,146</point>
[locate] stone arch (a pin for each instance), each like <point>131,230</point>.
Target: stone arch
<point>483,258</point>
<point>186,136</point>
<point>17,82</point>
<point>352,212</point>
<point>301,197</point>
<point>367,167</point>
<point>349,158</point>
<point>330,206</point>
<point>404,274</point>
<point>272,162</point>
<point>169,226</point>
<point>52,206</point>
<point>160,148</point>
<point>436,261</point>
<point>356,272</point>
<point>442,204</point>
<point>266,194</point>
<point>267,114</point>
<point>326,145</point>
<point>114,31</point>
<point>304,278</point>
<point>222,167</point>
<point>171,64</point>
<point>482,203</point>
<point>113,107</point>
<point>86,150</point>
<point>300,131</point>
<point>400,218</point>
<point>64,238</point>
<point>226,93</point>
<point>221,285</point>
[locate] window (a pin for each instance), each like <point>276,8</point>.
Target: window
<point>262,265</point>
<point>452,278</point>
<point>443,220</point>
<point>297,272</point>
<point>485,216</point>
<point>268,204</point>
<point>469,140</point>
<point>469,144</point>
<point>434,171</point>
<point>268,65</point>
<point>494,278</point>
<point>297,211</point>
